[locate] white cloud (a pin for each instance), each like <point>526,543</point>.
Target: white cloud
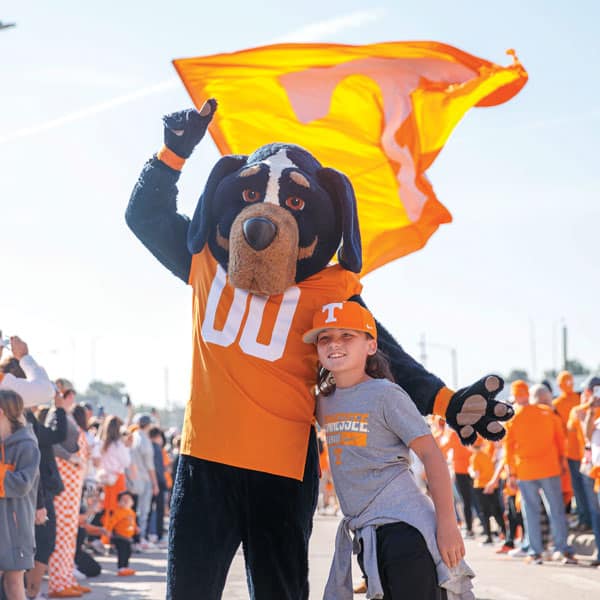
<point>309,33</point>
<point>79,77</point>
<point>317,31</point>
<point>89,111</point>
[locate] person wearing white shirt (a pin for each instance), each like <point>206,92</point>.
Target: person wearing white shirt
<point>36,388</point>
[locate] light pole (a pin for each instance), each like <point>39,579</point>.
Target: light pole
<point>453,357</point>
<point>93,357</point>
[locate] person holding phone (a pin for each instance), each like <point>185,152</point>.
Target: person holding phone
<point>32,384</point>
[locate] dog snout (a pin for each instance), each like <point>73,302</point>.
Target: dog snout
<point>259,232</point>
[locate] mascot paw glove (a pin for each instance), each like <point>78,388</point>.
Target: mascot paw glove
<point>184,129</point>
<point>473,410</point>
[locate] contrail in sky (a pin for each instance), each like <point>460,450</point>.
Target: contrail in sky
<point>309,33</point>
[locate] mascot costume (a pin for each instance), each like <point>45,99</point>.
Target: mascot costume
<point>257,255</point>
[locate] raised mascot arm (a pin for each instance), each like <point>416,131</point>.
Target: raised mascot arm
<point>152,211</point>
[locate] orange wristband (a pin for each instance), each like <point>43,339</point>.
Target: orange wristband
<point>442,399</point>
<point>170,159</point>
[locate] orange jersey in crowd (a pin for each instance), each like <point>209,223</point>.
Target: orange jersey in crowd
<point>122,522</point>
<point>166,463</point>
<point>535,443</point>
<point>460,454</point>
<point>563,405</point>
<point>252,399</point>
<point>483,467</point>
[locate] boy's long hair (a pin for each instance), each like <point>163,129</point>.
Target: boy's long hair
<point>12,405</point>
<point>377,366</point>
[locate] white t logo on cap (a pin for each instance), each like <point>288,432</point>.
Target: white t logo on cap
<point>330,308</point>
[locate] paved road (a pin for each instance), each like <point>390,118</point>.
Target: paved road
<point>498,577</point>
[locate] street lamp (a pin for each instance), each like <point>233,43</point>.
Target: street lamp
<point>453,357</point>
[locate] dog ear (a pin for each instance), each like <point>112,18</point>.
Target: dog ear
<point>340,189</point>
<point>202,220</point>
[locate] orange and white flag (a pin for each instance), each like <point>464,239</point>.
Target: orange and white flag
<point>379,113</point>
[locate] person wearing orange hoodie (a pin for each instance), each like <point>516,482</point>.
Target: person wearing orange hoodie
<point>123,527</point>
<point>563,405</point>
<point>535,454</point>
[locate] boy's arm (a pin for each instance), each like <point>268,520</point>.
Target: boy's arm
<point>450,542</point>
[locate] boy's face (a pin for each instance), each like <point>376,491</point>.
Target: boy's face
<point>342,350</point>
<point>126,501</point>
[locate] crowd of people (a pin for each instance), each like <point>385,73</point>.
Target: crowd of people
<point>73,485</point>
<point>525,493</point>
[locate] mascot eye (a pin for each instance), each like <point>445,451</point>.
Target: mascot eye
<point>295,203</point>
<point>251,196</point>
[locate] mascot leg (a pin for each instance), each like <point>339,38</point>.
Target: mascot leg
<point>278,527</point>
<point>205,528</point>
<point>216,507</point>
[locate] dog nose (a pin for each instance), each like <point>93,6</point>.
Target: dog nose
<point>259,232</point>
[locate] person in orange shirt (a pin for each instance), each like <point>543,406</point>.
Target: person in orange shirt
<point>535,454</point>
<point>461,456</point>
<point>481,469</point>
<point>122,527</point>
<point>563,405</point>
<point>519,396</point>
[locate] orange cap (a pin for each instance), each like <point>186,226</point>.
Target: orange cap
<point>341,315</point>
<point>519,387</point>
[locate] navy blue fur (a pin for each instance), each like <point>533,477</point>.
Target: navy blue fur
<point>203,221</point>
<point>421,385</point>
<point>341,190</point>
<point>152,215</point>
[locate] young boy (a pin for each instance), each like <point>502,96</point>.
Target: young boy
<point>122,527</point>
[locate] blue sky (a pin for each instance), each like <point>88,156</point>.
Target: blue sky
<point>83,88</point>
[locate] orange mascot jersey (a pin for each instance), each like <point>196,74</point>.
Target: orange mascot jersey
<point>252,400</point>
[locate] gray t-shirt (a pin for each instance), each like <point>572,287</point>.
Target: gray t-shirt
<point>369,427</point>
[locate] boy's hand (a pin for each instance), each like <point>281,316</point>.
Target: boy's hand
<point>450,544</point>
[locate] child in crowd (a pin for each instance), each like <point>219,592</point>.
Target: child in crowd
<point>409,549</point>
<point>19,475</point>
<point>481,469</point>
<point>123,527</point>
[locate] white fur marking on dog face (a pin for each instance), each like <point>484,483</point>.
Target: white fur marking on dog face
<point>276,163</point>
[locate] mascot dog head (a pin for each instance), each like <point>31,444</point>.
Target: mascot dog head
<point>276,217</point>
